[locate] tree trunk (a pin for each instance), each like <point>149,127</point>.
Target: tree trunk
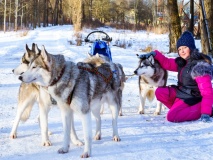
<point>16,15</point>
<point>77,14</point>
<point>191,26</point>
<point>38,11</point>
<point>209,14</point>
<point>10,16</point>
<point>206,27</point>
<point>5,13</point>
<point>45,16</point>
<point>174,25</point>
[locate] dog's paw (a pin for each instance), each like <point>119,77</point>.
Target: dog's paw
<point>120,114</point>
<point>63,150</point>
<point>85,155</point>
<point>46,143</point>
<point>140,112</point>
<point>156,113</point>
<point>77,142</point>
<point>97,137</point>
<point>116,138</point>
<point>13,136</point>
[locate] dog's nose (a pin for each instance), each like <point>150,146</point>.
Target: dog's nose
<point>13,70</point>
<point>135,71</point>
<point>20,78</point>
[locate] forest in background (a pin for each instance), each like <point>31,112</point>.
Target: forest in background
<point>159,16</point>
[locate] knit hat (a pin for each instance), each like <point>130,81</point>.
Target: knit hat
<point>186,39</point>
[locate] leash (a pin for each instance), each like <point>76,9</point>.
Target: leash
<point>95,70</point>
<point>129,76</point>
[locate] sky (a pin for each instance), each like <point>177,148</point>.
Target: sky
<point>143,137</point>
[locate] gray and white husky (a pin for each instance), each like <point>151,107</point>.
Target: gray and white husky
<point>31,93</point>
<point>117,69</point>
<point>151,75</point>
<point>76,87</point>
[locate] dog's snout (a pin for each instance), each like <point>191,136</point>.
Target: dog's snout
<point>20,78</point>
<point>135,71</point>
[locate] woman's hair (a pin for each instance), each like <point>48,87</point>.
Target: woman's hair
<point>206,58</point>
<point>195,54</point>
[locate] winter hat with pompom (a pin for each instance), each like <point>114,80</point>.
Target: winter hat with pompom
<point>186,39</point>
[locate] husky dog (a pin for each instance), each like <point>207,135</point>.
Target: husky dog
<point>29,94</point>
<point>151,75</point>
<point>116,68</point>
<point>76,87</point>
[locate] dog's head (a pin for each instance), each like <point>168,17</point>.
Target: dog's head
<point>44,68</point>
<point>146,67</point>
<point>26,59</point>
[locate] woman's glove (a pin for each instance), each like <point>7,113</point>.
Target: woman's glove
<point>205,118</point>
<point>147,55</point>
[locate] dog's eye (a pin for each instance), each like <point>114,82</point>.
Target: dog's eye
<point>34,67</point>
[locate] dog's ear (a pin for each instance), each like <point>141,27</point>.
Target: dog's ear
<point>27,49</point>
<point>37,50</point>
<point>33,47</point>
<point>97,55</point>
<point>138,56</point>
<point>89,55</point>
<point>151,59</point>
<point>44,55</point>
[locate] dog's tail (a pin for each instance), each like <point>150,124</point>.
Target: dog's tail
<point>150,95</point>
<point>26,98</point>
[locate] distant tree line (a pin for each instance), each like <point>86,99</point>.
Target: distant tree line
<point>19,14</point>
<point>125,14</point>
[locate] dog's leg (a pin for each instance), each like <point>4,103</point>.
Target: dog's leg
<point>102,108</point>
<point>74,137</point>
<point>114,109</point>
<point>142,96</point>
<point>44,107</point>
<point>87,128</point>
<point>120,101</point>
<point>96,113</point>
<point>23,106</point>
<point>66,120</point>
<point>158,109</point>
<point>43,119</point>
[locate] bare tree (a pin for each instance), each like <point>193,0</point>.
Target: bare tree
<point>5,12</point>
<point>174,25</point>
<point>77,14</point>
<point>16,15</point>
<point>206,24</point>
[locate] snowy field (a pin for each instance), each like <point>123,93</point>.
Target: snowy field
<point>143,137</point>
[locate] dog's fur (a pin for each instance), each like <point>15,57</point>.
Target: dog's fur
<point>31,93</point>
<point>77,88</point>
<point>116,68</point>
<point>151,75</point>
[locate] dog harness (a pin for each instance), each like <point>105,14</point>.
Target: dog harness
<point>95,70</point>
<point>56,79</point>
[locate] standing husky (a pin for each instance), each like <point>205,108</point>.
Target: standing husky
<point>80,88</point>
<point>31,93</point>
<point>151,75</point>
<point>117,70</point>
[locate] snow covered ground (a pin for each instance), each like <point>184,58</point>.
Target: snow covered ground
<point>145,137</point>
